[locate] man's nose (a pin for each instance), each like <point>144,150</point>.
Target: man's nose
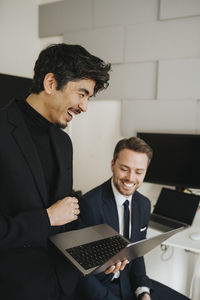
<point>131,176</point>
<point>83,106</point>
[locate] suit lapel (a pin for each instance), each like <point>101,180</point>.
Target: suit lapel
<point>27,147</point>
<point>109,207</point>
<point>64,161</point>
<point>111,214</point>
<point>134,218</point>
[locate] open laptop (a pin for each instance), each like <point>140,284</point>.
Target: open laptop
<point>173,209</point>
<point>94,249</point>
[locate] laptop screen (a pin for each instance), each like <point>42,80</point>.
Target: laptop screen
<point>177,205</point>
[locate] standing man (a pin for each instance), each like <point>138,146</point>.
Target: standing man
<point>118,204</point>
<point>36,173</point>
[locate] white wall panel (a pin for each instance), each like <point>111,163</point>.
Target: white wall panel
<point>107,43</point>
<point>115,12</point>
<point>47,1</point>
<point>179,79</point>
<point>132,81</point>
<point>44,42</point>
<point>94,136</point>
<point>179,8</point>
<point>161,40</point>
<point>56,18</point>
<point>158,116</point>
<point>19,37</point>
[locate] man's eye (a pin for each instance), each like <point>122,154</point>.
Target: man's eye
<point>81,94</point>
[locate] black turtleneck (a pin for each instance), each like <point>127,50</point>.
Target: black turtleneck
<point>39,129</point>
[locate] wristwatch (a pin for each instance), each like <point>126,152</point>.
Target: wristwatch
<point>140,295</point>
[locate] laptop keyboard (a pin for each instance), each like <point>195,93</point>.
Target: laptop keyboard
<point>97,253</point>
<point>166,222</point>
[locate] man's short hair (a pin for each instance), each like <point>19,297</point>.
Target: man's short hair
<point>135,144</point>
<point>69,63</point>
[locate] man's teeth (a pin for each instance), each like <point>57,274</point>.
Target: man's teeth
<point>70,113</point>
<point>129,184</point>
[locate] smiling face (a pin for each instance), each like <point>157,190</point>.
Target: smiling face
<point>70,101</point>
<point>60,106</point>
<point>129,171</point>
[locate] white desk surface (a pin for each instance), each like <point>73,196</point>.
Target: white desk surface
<point>182,239</point>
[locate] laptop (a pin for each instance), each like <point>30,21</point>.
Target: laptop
<point>173,209</point>
<point>93,249</point>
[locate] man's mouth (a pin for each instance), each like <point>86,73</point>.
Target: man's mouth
<point>128,185</point>
<point>72,112</point>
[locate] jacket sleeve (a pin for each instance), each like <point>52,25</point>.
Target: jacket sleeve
<point>91,288</point>
<point>29,228</point>
<point>138,275</point>
<point>137,268</point>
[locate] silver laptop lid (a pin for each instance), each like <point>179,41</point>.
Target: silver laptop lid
<point>133,250</point>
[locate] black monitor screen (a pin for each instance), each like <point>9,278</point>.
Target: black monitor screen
<point>176,159</point>
<point>13,87</point>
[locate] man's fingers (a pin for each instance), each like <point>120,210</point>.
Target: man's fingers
<point>109,270</point>
<point>113,269</point>
<point>76,211</point>
<point>63,211</point>
<point>117,267</point>
<point>123,265</point>
<point>74,200</point>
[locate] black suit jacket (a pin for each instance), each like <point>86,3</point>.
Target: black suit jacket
<point>28,264</point>
<point>98,206</point>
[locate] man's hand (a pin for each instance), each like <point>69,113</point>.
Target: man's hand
<point>145,296</point>
<point>63,211</point>
<point>117,267</point>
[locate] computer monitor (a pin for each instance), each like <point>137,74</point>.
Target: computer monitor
<point>176,159</point>
<point>13,87</point>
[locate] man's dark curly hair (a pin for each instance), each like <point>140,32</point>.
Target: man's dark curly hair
<point>69,63</point>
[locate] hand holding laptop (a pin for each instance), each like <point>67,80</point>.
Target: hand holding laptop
<point>100,248</point>
<point>117,267</point>
<point>66,210</point>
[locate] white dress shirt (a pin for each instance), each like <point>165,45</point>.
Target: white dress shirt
<point>119,199</point>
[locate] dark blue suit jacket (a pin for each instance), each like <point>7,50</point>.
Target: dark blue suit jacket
<point>98,206</point>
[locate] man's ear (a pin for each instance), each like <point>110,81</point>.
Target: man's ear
<point>50,83</point>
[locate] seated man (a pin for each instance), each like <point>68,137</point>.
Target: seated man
<point>118,203</point>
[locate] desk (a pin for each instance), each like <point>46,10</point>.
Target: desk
<point>181,270</point>
<point>182,239</point>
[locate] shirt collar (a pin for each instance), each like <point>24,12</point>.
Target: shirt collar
<point>119,198</point>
